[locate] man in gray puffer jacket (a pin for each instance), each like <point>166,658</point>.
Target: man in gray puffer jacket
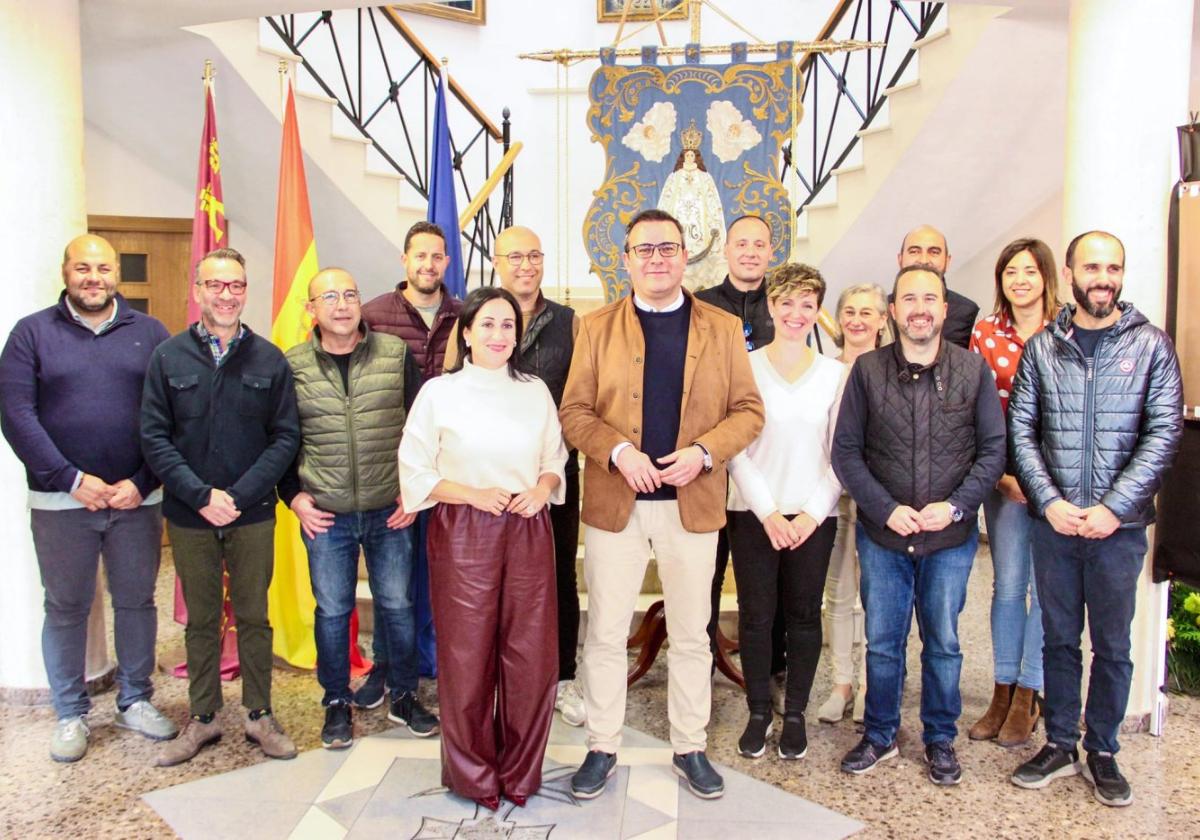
<point>1095,419</point>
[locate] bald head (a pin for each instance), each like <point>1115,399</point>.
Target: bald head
<point>516,251</point>
<point>334,304</point>
<point>330,278</point>
<point>89,272</point>
<point>925,244</point>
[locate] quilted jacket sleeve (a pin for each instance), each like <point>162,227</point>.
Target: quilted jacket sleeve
<point>1025,430</point>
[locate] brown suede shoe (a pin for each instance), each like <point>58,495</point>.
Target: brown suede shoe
<point>270,737</point>
<point>988,726</point>
<point>191,740</point>
<point>1022,718</point>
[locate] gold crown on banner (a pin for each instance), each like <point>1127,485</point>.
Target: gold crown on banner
<point>691,137</point>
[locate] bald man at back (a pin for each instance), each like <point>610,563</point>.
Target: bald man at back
<point>926,244</point>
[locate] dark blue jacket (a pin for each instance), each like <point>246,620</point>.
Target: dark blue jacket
<point>70,399</point>
<point>1099,435</point>
<point>233,427</point>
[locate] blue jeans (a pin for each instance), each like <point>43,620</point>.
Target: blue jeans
<point>1100,576</point>
<point>892,583</point>
<point>419,594</point>
<point>1016,628</point>
<point>333,568</point>
<point>69,544</point>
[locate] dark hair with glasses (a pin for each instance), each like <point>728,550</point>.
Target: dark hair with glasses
<point>466,318</point>
<point>219,254</point>
<point>652,214</point>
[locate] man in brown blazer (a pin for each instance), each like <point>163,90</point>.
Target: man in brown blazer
<point>660,396</point>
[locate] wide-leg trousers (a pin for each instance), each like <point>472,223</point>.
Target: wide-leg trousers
<point>495,616</point>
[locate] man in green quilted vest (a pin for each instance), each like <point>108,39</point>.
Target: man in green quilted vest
<point>353,387</point>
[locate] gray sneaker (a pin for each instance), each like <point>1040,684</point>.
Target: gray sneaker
<point>70,739</point>
<point>146,720</point>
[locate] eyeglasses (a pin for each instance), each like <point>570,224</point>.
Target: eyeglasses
<point>665,249</point>
<point>331,297</point>
<point>747,330</point>
<point>515,258</point>
<point>216,287</point>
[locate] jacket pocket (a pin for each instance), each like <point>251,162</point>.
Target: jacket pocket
<point>255,399</point>
<point>186,402</point>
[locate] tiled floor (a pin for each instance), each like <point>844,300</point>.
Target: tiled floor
<point>101,796</point>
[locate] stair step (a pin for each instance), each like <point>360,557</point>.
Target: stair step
<point>278,53</point>
<point>931,37</point>
<point>899,86</point>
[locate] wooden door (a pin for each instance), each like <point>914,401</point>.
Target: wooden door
<point>154,256</point>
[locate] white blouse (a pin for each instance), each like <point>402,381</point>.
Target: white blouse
<point>787,468</point>
<point>481,428</point>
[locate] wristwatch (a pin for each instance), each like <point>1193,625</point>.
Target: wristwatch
<point>956,514</point>
<point>707,456</point>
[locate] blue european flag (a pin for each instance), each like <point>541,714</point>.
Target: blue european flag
<point>443,208</point>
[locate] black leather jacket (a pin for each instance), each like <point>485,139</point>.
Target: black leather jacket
<point>1100,434</point>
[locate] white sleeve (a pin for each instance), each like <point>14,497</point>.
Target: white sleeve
<point>418,454</point>
<point>554,450</point>
<point>752,485</point>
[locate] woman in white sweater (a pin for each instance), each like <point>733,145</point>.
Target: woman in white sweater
<point>483,447</point>
<point>783,505</point>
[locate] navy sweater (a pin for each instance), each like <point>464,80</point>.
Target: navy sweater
<point>666,335</point>
<point>70,399</point>
<point>233,427</point>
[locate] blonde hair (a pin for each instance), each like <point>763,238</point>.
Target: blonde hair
<point>885,336</point>
<point>790,278</point>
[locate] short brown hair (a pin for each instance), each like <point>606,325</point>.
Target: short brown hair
<point>220,254</point>
<point>424,227</point>
<point>790,278</point>
<point>653,215</point>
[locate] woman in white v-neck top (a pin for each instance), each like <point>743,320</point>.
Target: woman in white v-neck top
<point>783,509</point>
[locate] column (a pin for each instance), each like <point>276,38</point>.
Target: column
<point>1127,89</point>
<point>42,173</point>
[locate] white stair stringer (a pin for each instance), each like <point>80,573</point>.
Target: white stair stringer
<point>909,103</point>
<point>342,158</point>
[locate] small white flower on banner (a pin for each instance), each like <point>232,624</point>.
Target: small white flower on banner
<point>651,136</point>
<point>731,133</point>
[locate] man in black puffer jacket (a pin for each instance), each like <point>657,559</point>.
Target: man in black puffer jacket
<point>1095,419</point>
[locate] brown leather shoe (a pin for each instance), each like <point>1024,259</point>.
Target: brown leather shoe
<point>270,737</point>
<point>191,740</point>
<point>988,726</point>
<point>1022,718</point>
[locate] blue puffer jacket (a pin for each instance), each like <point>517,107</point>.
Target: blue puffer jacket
<point>1101,434</point>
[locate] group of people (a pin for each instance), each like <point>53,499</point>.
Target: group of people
<point>710,425</point>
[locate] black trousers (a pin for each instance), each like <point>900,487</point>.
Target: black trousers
<point>778,630</point>
<point>767,579</point>
<point>565,520</point>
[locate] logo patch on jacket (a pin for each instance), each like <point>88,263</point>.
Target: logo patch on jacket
<point>1126,365</point>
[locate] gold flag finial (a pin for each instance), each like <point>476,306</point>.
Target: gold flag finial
<point>208,71</point>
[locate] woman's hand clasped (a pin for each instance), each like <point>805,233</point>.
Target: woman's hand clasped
<point>530,502</point>
<point>491,500</point>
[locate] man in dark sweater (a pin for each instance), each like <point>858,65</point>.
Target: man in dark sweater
<point>70,386</point>
<point>743,294</point>
<point>420,311</point>
<point>926,244</point>
<point>919,443</point>
<point>219,427</point>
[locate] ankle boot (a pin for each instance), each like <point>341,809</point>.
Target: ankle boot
<point>1022,718</point>
<point>988,726</point>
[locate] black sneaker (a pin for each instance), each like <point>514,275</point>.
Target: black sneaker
<point>591,777</point>
<point>338,731</point>
<point>1108,785</point>
<point>702,779</point>
<point>1052,762</point>
<point>370,693</point>
<point>866,755</point>
<point>944,768</point>
<point>793,741</point>
<point>407,709</point>
<point>753,742</point>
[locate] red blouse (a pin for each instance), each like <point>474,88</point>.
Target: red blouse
<point>995,338</point>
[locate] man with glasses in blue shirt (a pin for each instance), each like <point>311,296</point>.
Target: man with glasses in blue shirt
<point>659,397</point>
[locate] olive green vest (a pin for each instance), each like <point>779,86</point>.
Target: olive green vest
<point>348,442</point>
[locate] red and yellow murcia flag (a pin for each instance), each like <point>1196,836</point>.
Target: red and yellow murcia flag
<point>290,600</point>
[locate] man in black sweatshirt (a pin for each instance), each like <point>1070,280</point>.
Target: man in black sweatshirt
<point>220,427</point>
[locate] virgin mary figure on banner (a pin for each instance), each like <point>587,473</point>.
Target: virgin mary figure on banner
<point>702,142</point>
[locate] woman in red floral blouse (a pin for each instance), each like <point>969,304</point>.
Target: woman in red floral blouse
<point>1026,300</point>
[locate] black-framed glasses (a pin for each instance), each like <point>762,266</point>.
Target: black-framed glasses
<point>332,297</point>
<point>515,258</point>
<point>665,249</point>
<point>747,331</point>
<point>216,287</point>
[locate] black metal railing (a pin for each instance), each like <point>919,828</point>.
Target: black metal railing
<point>384,81</point>
<point>843,94</point>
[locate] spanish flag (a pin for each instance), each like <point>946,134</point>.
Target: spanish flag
<point>290,601</point>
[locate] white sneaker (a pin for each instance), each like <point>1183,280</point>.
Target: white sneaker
<point>568,700</point>
<point>834,708</point>
<point>70,739</point>
<point>146,720</point>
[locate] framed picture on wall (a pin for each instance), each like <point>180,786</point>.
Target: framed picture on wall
<point>609,11</point>
<point>468,11</point>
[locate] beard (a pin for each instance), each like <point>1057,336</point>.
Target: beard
<point>1096,310</point>
<point>423,284</point>
<point>82,305</point>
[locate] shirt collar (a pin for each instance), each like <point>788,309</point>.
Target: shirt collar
<point>670,307</point>
<point>99,328</point>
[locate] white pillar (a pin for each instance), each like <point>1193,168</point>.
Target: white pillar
<point>42,173</point>
<point>1127,89</point>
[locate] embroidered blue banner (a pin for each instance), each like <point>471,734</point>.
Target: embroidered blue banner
<point>700,141</point>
